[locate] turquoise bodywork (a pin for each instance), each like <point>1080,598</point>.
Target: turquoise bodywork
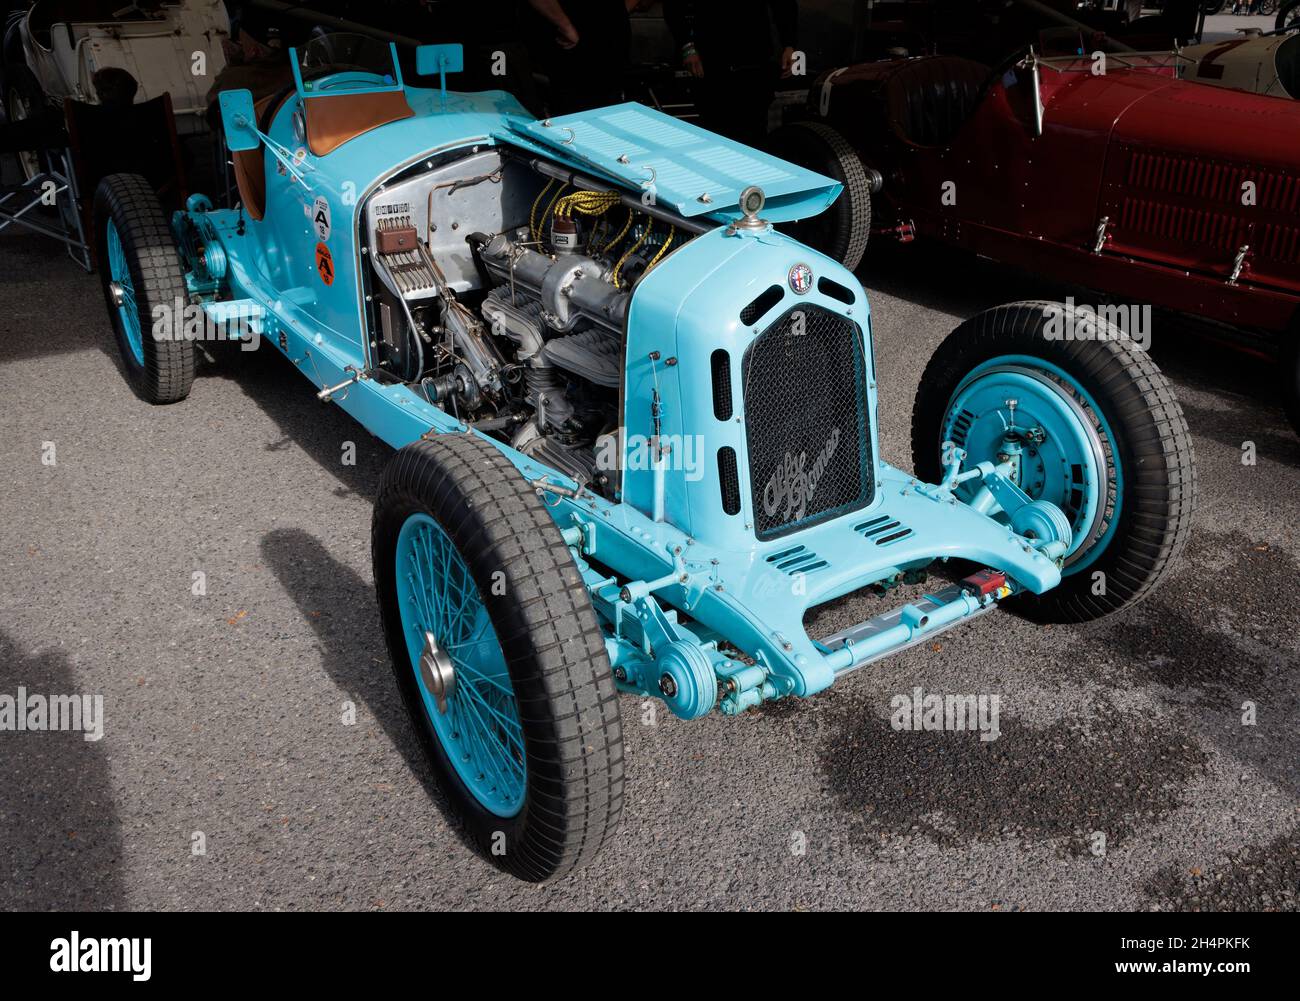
<point>984,392</point>
<point>673,553</point>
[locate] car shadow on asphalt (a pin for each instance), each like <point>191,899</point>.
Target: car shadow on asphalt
<point>1060,784</point>
<point>1213,657</point>
<point>60,838</point>
<point>320,430</point>
<point>1238,426</point>
<point>353,652</point>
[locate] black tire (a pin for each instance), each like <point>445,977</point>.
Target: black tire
<point>843,229</point>
<point>554,650</point>
<point>1150,438</point>
<point>130,203</point>
<point>1290,371</point>
<point>1268,7</point>
<point>1288,13</point>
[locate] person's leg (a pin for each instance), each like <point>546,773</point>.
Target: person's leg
<point>718,104</point>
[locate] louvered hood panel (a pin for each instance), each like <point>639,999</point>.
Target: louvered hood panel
<point>1194,174</point>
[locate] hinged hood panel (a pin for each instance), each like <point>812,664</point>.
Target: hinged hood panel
<point>693,172</point>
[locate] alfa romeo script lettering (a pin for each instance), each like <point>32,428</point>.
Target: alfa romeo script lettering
<point>791,487</point>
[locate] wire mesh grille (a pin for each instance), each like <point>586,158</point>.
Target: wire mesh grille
<point>806,421</point>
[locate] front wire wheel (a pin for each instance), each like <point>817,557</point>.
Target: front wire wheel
<point>461,674</point>
<point>498,654</point>
<point>1094,428</point>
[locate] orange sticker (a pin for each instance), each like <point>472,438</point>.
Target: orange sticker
<point>325,263</point>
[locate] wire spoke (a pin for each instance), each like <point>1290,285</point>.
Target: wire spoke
<point>493,753</point>
<point>511,727</point>
<point>480,727</point>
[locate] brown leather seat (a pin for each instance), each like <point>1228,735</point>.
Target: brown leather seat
<point>335,119</point>
<point>250,179</point>
<point>250,164</point>
<point>331,121</point>
<point>930,99</point>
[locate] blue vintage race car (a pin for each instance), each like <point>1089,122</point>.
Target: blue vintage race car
<point>636,424</point>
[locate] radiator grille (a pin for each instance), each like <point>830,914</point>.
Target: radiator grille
<point>806,421</point>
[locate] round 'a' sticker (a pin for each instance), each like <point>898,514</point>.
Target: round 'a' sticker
<point>325,263</point>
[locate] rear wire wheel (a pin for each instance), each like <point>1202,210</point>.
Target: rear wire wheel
<point>498,655</point>
<point>1115,453</point>
<point>141,275</point>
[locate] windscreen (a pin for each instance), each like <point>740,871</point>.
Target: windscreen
<point>344,63</point>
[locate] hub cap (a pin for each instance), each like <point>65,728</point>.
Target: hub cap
<point>1034,414</point>
<point>437,672</point>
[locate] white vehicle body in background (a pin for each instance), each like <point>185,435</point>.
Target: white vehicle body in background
<point>1261,64</point>
<point>176,49</point>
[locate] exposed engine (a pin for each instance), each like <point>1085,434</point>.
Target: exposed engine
<point>503,294</point>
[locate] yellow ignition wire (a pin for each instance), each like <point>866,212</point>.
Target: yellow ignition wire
<point>630,251</point>
<point>672,231</point>
<point>587,203</point>
<point>532,216</point>
<point>621,233</point>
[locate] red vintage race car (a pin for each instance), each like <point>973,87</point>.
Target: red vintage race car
<point>1111,173</point>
